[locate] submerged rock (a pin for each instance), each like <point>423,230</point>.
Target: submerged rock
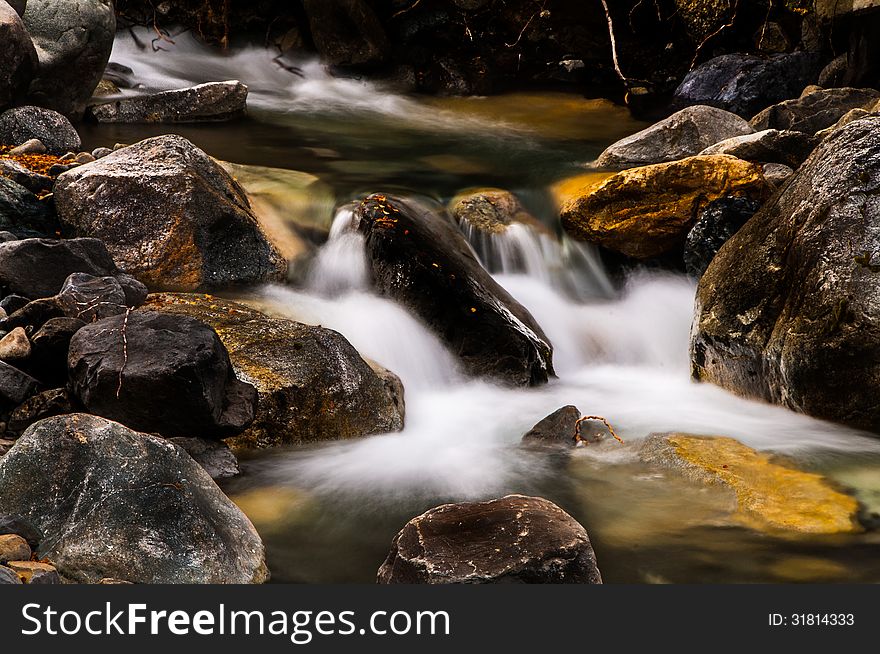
<point>53,130</point>
<point>312,384</point>
<point>421,260</point>
<point>515,539</point>
<point>769,496</point>
<point>208,235</point>
<point>785,147</point>
<point>18,56</point>
<point>112,502</point>
<point>816,111</point>
<point>787,311</point>
<point>684,134</point>
<point>73,42</point>
<point>720,220</point>
<point>490,211</point>
<point>745,84</point>
<point>211,102</point>
<point>647,212</point>
<point>160,373</point>
<point>558,429</point>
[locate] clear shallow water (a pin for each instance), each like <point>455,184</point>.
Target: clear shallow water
<point>328,512</point>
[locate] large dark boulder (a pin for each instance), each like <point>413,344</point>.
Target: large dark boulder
<point>684,134</point>
<point>719,221</point>
<point>211,102</point>
<point>159,373</point>
<point>38,267</point>
<point>515,539</point>
<point>18,56</point>
<point>170,216</point>
<point>73,42</point>
<point>421,260</point>
<point>815,111</point>
<point>22,214</point>
<point>745,84</point>
<point>312,384</point>
<point>787,311</point>
<point>112,502</point>
<point>51,128</point>
<point>347,32</point>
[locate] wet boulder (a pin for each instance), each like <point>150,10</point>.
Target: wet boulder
<point>684,134</point>
<point>18,56</point>
<point>38,267</point>
<point>211,102</point>
<point>423,261</point>
<point>745,84</point>
<point>54,402</point>
<point>159,373</point>
<point>15,385</point>
<point>22,214</point>
<point>815,111</point>
<point>720,220</point>
<point>214,456</point>
<point>515,539</point>
<point>787,310</point>
<point>89,298</point>
<point>786,147</point>
<point>347,33</point>
<point>73,42</point>
<point>312,384</point>
<point>112,502</point>
<point>51,128</point>
<point>170,216</point>
<point>647,212</point>
<point>490,211</point>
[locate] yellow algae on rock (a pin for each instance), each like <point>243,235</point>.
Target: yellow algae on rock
<point>570,188</point>
<point>769,496</point>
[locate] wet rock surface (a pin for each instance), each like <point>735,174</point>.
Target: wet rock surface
<point>424,262</point>
<point>787,147</point>
<point>720,220</point>
<point>53,130</point>
<point>816,111</point>
<point>515,539</point>
<point>210,102</point>
<point>112,502</point>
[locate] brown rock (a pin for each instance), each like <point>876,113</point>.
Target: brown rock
<point>14,548</point>
<point>557,429</point>
<point>647,212</point>
<point>34,572</point>
<point>515,539</point>
<point>15,346</point>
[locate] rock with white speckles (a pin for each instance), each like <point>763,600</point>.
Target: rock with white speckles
<point>515,539</point>
<point>312,384</point>
<point>788,309</point>
<point>112,502</point>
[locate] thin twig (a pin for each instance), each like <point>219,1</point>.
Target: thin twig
<point>613,43</point>
<point>713,34</point>
<point>124,350</point>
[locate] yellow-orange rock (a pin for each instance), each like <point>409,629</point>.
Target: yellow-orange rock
<point>647,212</point>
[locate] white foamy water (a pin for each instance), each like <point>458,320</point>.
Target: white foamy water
<point>625,359</point>
<point>184,61</point>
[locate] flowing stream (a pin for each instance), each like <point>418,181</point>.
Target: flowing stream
<point>328,512</point>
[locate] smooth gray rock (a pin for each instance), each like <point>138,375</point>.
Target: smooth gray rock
<point>168,374</point>
<point>816,111</point>
<point>515,539</point>
<point>54,130</point>
<point>788,310</point>
<point>211,102</point>
<point>73,40</point>
<point>112,502</point>
<point>18,57</point>
<point>210,238</point>
<point>557,429</point>
<point>785,147</point>
<point>684,134</point>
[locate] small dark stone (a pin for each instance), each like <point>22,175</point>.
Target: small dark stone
<point>91,298</point>
<point>12,303</point>
<point>23,214</point>
<point>173,376</point>
<point>8,577</point>
<point>135,292</point>
<point>20,526</point>
<point>54,402</point>
<point>33,315</point>
<point>24,177</point>
<point>557,429</point>
<point>16,386</point>
<point>719,221</point>
<point>50,344</point>
<point>214,456</point>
